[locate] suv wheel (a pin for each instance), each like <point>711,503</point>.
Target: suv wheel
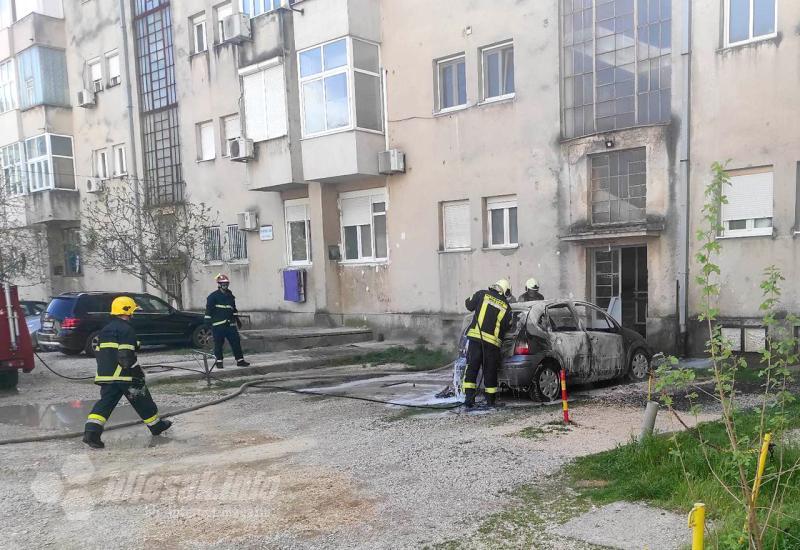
<point>92,342</point>
<point>202,337</point>
<point>639,367</point>
<point>9,379</point>
<point>546,385</point>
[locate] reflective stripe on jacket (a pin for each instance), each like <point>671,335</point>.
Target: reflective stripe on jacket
<point>221,308</point>
<point>492,317</point>
<point>116,353</point>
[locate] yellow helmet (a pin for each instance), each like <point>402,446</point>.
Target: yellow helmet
<point>502,286</point>
<point>123,305</point>
<point>531,284</point>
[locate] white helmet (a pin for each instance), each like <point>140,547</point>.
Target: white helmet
<point>531,284</point>
<point>502,286</point>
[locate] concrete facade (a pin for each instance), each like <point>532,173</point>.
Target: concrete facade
<point>511,149</point>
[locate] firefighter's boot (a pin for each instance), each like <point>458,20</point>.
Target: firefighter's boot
<point>161,427</point>
<point>218,364</point>
<point>92,439</point>
<point>469,399</point>
<point>242,363</point>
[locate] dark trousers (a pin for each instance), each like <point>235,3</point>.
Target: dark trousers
<point>110,394</point>
<point>223,332</point>
<point>481,355</point>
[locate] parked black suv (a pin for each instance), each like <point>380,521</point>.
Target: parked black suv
<point>73,319</point>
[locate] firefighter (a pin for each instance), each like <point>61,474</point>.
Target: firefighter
<point>491,322</point>
<point>118,374</point>
<point>221,315</point>
<point>531,293</point>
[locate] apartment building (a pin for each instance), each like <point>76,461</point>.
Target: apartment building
<point>387,165</point>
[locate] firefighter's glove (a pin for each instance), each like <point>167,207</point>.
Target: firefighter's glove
<point>238,323</point>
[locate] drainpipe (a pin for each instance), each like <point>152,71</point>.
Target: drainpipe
<point>12,328</point>
<point>685,158</point>
<point>133,166</point>
<point>385,107</point>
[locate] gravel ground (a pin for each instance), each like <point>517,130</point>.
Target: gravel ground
<point>278,470</point>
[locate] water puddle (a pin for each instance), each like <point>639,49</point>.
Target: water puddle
<point>60,416</point>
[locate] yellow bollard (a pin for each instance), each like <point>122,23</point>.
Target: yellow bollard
<point>762,463</point>
<point>697,523</point>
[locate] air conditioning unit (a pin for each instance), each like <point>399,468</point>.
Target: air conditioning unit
<point>95,185</point>
<point>247,221</point>
<point>114,81</point>
<point>86,98</point>
<point>392,161</point>
<point>97,86</point>
<point>241,149</point>
<point>236,28</point>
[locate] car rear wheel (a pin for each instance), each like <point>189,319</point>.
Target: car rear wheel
<point>546,384</point>
<point>91,343</point>
<point>9,379</point>
<point>639,367</point>
<point>202,337</point>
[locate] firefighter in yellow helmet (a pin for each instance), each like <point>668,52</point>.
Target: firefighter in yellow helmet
<point>491,322</point>
<point>531,293</point>
<point>119,374</point>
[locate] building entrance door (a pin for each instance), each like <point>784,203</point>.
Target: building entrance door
<point>619,284</point>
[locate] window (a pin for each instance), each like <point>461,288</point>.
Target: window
<point>199,34</point>
<point>501,220</point>
<point>95,69</point>
<point>749,20</point>
<point>498,71</point>
<point>44,74</point>
<point>451,83</point>
<point>748,211</point>
<point>258,7</point>
<point>12,163</point>
<point>6,19</point>
<point>205,141</point>
<point>223,11</point>
<point>101,164</point>
<point>230,130</point>
<point>72,252</point>
<point>120,160</point>
<point>561,319</point>
<point>455,225</point>
<point>8,82</point>
<point>619,186</point>
<point>298,231</point>
<point>616,62</point>
<point>364,224</point>
<point>264,102</point>
<point>212,241</point>
<point>237,243</point>
<point>49,162</point>
<point>594,320</point>
<point>112,68</point>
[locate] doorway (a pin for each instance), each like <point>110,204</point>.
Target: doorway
<point>619,284</point>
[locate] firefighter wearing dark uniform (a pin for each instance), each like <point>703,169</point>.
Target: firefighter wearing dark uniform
<point>221,315</point>
<point>531,293</point>
<point>491,321</point>
<point>119,374</point>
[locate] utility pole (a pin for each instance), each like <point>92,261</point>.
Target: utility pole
<point>134,165</point>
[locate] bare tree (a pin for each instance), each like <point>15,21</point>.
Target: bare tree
<point>158,245</point>
<point>22,249</point>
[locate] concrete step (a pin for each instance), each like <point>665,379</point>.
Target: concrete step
<point>283,339</point>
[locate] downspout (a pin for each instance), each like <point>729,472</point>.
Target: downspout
<point>685,159</point>
<point>133,166</point>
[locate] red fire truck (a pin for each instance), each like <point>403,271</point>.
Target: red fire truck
<point>16,350</point>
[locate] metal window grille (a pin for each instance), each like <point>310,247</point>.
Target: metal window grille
<point>237,243</point>
<point>172,282</point>
<point>619,186</point>
<point>73,264</point>
<point>213,244</point>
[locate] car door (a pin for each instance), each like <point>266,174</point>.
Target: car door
<point>568,340</point>
<point>607,345</point>
<point>155,322</point>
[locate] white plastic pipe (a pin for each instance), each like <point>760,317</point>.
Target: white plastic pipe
<point>12,328</point>
<point>649,422</point>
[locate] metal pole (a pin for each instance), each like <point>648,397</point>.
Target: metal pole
<point>205,367</point>
<point>12,329</point>
<point>564,402</point>
<point>697,523</point>
<point>134,164</point>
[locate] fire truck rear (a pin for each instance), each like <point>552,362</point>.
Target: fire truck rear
<point>16,350</point>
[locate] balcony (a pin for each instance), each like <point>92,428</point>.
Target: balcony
<point>36,29</point>
<point>52,205</point>
<point>342,156</point>
<point>325,20</point>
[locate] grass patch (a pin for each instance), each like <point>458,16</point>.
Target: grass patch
<point>652,472</point>
<point>419,358</point>
<point>540,432</point>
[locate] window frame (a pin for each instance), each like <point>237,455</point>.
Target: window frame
<point>501,47</point>
<point>95,62</point>
<point>109,76</point>
<point>101,164</point>
<point>500,202</point>
<point>224,6</point>
<point>750,229</point>
<point>215,234</point>
<point>305,203</point>
<point>199,20</point>
<point>46,161</point>
<point>9,87</point>
<point>237,239</point>
<point>380,193</point>
<point>251,3</point>
<point>201,149</point>
<point>450,204</point>
<point>610,201</point>
<point>727,25</point>
<point>440,63</point>
<point>115,150</point>
<point>224,137</point>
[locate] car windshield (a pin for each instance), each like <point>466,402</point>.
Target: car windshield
<point>60,308</point>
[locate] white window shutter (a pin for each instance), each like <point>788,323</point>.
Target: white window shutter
<point>276,102</point>
<point>456,225</point>
<point>207,141</point>
<point>296,213</point>
<point>749,197</point>
<point>356,211</point>
<point>255,106</point>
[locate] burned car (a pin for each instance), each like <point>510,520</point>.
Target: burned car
<point>549,335</point>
